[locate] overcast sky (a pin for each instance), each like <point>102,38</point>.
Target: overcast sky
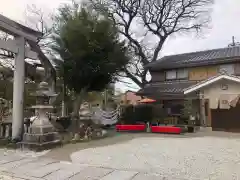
<point>225,24</point>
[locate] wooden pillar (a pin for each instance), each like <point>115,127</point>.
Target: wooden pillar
<point>209,124</point>
<point>18,90</point>
<point>202,109</point>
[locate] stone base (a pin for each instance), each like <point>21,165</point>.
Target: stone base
<point>40,138</point>
<point>205,129</point>
<point>39,147</point>
<point>41,129</point>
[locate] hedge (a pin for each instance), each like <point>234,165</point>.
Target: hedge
<point>137,114</point>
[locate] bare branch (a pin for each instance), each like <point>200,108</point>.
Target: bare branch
<point>160,18</point>
<point>133,78</point>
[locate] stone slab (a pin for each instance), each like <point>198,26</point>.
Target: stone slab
<point>16,164</point>
<point>4,177</point>
<point>91,173</point>
<point>120,175</point>
<point>8,159</point>
<point>45,170</point>
<point>65,173</point>
<point>142,176</point>
<point>33,165</point>
<point>12,176</point>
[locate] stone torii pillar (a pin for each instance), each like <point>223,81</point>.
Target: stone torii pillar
<point>18,89</point>
<point>22,34</point>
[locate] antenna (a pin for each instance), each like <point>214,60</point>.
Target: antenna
<point>233,44</point>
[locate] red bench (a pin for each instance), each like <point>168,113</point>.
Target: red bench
<point>121,127</point>
<point>166,129</point>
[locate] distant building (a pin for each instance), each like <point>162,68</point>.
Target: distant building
<point>130,97</point>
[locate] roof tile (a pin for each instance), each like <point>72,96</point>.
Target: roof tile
<point>170,87</point>
<point>223,55</point>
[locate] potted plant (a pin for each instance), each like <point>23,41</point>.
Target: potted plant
<point>188,115</point>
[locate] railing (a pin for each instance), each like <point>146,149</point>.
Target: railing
<point>6,129</point>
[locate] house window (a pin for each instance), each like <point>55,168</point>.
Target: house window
<point>170,75</point>
<point>177,74</point>
<point>182,74</point>
<point>227,68</point>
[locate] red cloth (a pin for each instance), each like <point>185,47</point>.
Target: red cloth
<point>166,129</point>
<point>130,127</point>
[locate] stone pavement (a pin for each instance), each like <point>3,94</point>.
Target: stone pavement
<point>197,158</point>
<point>205,157</point>
<point>17,167</point>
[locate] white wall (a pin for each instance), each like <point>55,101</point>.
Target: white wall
<point>215,89</point>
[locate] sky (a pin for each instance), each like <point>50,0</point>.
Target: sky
<point>224,25</point>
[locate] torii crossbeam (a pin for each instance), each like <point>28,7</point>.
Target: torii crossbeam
<point>22,34</point>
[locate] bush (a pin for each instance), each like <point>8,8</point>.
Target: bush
<point>127,115</point>
<point>143,113</point>
<point>137,114</point>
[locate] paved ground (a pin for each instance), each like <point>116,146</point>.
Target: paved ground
<point>173,158</point>
<point>64,154</point>
<point>17,167</point>
<point>212,156</point>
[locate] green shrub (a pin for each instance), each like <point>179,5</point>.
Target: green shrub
<point>137,114</point>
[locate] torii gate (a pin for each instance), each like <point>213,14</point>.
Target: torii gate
<point>22,34</point>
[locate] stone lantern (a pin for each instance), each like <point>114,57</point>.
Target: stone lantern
<point>41,132</point>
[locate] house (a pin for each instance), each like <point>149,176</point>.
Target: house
<point>210,79</point>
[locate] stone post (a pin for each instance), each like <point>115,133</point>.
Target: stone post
<point>18,90</point>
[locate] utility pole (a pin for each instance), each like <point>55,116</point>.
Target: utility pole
<point>234,43</point>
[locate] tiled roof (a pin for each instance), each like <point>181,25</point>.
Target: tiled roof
<point>215,56</point>
<point>166,88</point>
<point>211,80</point>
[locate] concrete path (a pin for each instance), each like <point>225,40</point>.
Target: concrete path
<point>13,166</point>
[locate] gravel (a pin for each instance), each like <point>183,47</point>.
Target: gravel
<point>196,158</point>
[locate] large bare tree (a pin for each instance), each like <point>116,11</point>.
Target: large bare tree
<point>146,25</point>
<point>41,20</point>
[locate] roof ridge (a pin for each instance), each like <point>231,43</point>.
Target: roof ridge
<point>201,51</point>
<point>190,58</point>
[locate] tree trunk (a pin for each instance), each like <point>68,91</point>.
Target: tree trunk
<point>76,107</point>
<point>75,115</point>
<point>105,98</point>
<point>143,78</point>
<point>64,110</point>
